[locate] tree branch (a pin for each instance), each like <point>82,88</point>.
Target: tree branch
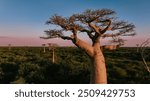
<point>108,26</point>
<point>89,33</point>
<point>93,19</point>
<point>143,47</point>
<point>94,27</point>
<point>66,37</point>
<point>117,34</point>
<point>84,46</point>
<point>55,34</point>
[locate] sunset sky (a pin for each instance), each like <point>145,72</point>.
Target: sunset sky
<point>22,22</point>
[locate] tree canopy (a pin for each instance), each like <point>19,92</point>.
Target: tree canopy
<point>100,23</point>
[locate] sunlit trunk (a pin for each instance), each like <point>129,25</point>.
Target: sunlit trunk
<point>84,46</point>
<point>98,72</point>
<point>98,68</point>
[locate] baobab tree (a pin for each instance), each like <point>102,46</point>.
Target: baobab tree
<point>52,46</point>
<point>97,25</point>
<point>44,47</point>
<point>110,47</point>
<point>137,48</point>
<point>9,47</point>
<point>49,46</point>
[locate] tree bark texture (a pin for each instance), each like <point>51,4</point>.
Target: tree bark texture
<point>98,69</point>
<point>98,73</point>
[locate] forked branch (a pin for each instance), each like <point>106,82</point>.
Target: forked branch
<point>89,33</point>
<point>108,26</point>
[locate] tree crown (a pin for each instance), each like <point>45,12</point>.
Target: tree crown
<point>95,23</point>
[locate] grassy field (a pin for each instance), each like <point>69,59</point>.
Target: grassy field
<point>72,66</point>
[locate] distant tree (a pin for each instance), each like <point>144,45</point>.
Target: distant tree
<point>96,24</point>
<point>52,46</point>
<point>44,47</point>
<point>117,42</point>
<point>9,47</point>
<point>49,46</point>
<point>137,48</point>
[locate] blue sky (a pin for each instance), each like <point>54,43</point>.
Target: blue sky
<point>26,18</point>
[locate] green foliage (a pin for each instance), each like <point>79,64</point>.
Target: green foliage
<point>8,71</point>
<point>32,65</point>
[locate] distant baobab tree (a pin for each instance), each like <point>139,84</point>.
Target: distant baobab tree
<point>137,47</point>
<point>9,47</point>
<point>110,47</point>
<point>97,25</point>
<point>52,46</point>
<point>117,42</point>
<point>44,47</point>
<point>49,46</point>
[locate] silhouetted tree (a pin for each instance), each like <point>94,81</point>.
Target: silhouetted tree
<point>97,24</point>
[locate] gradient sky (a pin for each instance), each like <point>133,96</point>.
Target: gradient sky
<point>22,22</point>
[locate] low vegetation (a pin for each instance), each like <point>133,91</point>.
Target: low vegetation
<point>32,65</point>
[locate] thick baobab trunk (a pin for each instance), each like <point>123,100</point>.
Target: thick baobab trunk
<point>98,68</point>
<point>84,46</point>
<point>98,73</point>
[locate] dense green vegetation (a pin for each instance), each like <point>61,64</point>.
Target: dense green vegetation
<point>32,65</point>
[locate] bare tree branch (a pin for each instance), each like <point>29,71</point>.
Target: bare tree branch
<point>89,33</point>
<point>108,26</point>
<point>118,40</point>
<point>143,47</point>
<point>94,15</point>
<point>118,34</point>
<point>65,23</point>
<point>55,34</point>
<point>94,27</point>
